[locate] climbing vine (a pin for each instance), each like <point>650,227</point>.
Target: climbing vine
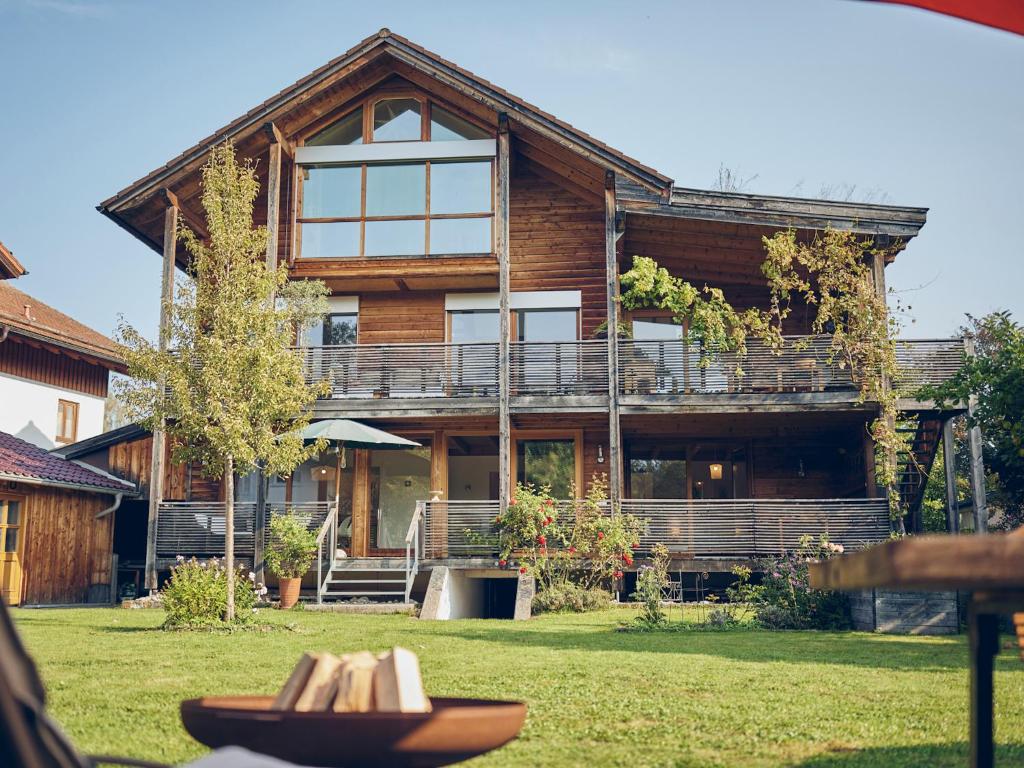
<point>830,273</point>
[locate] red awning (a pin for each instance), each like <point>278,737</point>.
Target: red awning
<point>1001,14</point>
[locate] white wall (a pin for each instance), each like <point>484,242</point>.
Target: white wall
<point>28,410</point>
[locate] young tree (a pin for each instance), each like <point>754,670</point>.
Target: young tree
<point>230,390</point>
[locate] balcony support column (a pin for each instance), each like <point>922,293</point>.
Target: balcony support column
<point>977,461</point>
<point>159,457</point>
<point>612,283</point>
<point>949,462</point>
<point>501,247</point>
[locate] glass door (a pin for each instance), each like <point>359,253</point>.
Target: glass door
<point>338,329</point>
<point>11,547</point>
<point>549,361</point>
<point>547,463</point>
<point>398,479</point>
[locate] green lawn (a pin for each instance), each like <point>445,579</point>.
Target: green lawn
<point>597,697</point>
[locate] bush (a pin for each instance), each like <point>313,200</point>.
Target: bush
<point>570,598</point>
<point>785,599</point>
<point>291,548</point>
<point>196,596</point>
<point>651,581</point>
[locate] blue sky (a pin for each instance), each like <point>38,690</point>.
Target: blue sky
<point>913,107</point>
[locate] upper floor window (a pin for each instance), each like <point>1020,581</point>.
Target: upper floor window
<point>348,130</point>
<point>67,421</point>
<point>397,120</point>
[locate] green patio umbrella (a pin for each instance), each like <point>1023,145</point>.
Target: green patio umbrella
<point>345,433</point>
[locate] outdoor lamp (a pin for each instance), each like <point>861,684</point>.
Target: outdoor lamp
<point>716,471</point>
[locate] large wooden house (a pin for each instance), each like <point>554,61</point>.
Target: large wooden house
<point>472,243</point>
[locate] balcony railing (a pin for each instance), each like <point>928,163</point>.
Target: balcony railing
<point>377,371</point>
<point>756,527</point>
<point>927,361</point>
<point>672,367</point>
<point>196,528</point>
<point>559,367</point>
<point>737,528</point>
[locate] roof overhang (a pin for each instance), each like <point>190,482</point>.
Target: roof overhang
<point>10,267</point>
<point>896,222</point>
<point>62,344</point>
<point>117,436</point>
<point>383,44</point>
<point>129,489</point>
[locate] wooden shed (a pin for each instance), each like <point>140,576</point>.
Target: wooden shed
<point>56,527</point>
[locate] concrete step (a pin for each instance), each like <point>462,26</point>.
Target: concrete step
<point>351,593</point>
<point>333,580</point>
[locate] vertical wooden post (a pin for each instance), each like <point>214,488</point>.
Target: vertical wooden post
<point>983,643</point>
<point>157,466</point>
<point>977,461</point>
<point>870,483</point>
<point>612,293</point>
<point>501,237</point>
<point>949,461</point>
<point>273,195</point>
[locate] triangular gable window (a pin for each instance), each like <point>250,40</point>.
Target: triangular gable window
<point>348,130</point>
<point>444,126</point>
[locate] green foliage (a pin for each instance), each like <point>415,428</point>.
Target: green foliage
<point>785,599</point>
<point>568,597</point>
<point>651,580</point>
<point>234,388</point>
<point>578,543</point>
<point>196,596</point>
<point>707,318</point>
<point>291,548</point>
<point>995,374</point>
<point>832,274</point>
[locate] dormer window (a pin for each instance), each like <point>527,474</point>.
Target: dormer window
<point>397,176</point>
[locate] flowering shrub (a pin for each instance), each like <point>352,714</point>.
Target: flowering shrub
<point>292,547</point>
<point>570,598</point>
<point>651,580</point>
<point>196,595</point>
<point>785,599</point>
<point>578,544</point>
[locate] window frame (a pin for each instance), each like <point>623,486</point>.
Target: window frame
<point>526,435</point>
<point>61,437</point>
<point>368,105</point>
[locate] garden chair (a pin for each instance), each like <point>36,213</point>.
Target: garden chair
<point>29,738</point>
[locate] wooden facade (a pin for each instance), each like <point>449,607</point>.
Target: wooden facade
<point>47,364</point>
<point>568,215</point>
<point>65,553</point>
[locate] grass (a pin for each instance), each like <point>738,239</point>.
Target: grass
<point>597,697</point>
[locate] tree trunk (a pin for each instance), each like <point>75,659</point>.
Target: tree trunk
<point>229,534</point>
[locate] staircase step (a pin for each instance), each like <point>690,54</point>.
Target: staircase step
<point>364,594</point>
<point>365,581</point>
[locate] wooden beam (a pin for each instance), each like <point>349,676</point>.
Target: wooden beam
<point>273,205</point>
<point>612,295</point>
<point>156,479</point>
<point>274,136</point>
<point>977,461</point>
<point>949,460</point>
<point>501,242</point>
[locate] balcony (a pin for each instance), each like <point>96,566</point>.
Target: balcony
<point>739,529</point>
<point>196,528</point>
<point>663,371</point>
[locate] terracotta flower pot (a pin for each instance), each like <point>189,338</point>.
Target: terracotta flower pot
<point>289,589</point>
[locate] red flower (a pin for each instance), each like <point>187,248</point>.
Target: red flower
<point>503,563</point>
<point>549,502</point>
<point>523,569</point>
<point>572,550</point>
<point>618,574</point>
<point>627,559</point>
<point>600,535</point>
<point>512,500</point>
<point>542,540</point>
<point>549,520</point>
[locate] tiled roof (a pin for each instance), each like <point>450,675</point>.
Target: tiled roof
<point>20,460</point>
<point>31,317</point>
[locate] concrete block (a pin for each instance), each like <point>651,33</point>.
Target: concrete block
<point>525,590</point>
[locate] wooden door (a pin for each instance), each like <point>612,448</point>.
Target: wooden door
<point>12,527</point>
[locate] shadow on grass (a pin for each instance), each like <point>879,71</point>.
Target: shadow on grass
<point>850,649</point>
<point>927,755</point>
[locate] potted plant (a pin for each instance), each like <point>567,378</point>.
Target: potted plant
<point>290,553</point>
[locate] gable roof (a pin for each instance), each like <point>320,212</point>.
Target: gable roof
<point>399,48</point>
<point>10,267</point>
<point>123,434</point>
<point>20,461</point>
<point>29,317</point>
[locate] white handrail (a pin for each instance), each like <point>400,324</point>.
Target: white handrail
<point>412,549</point>
<point>328,525</point>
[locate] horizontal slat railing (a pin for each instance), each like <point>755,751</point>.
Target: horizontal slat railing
<point>927,361</point>
<point>737,528</point>
<point>559,367</point>
<point>756,527</point>
<point>404,370</point>
<point>672,367</point>
<point>196,528</point>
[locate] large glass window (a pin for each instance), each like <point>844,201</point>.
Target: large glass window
<point>656,470</point>
<point>348,130</point>
<point>444,126</point>
<point>397,120</point>
<point>549,463</point>
<point>398,479</point>
<point>381,209</point>
<point>337,329</point>
<point>471,325</point>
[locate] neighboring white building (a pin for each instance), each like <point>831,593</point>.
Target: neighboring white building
<point>54,371</point>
